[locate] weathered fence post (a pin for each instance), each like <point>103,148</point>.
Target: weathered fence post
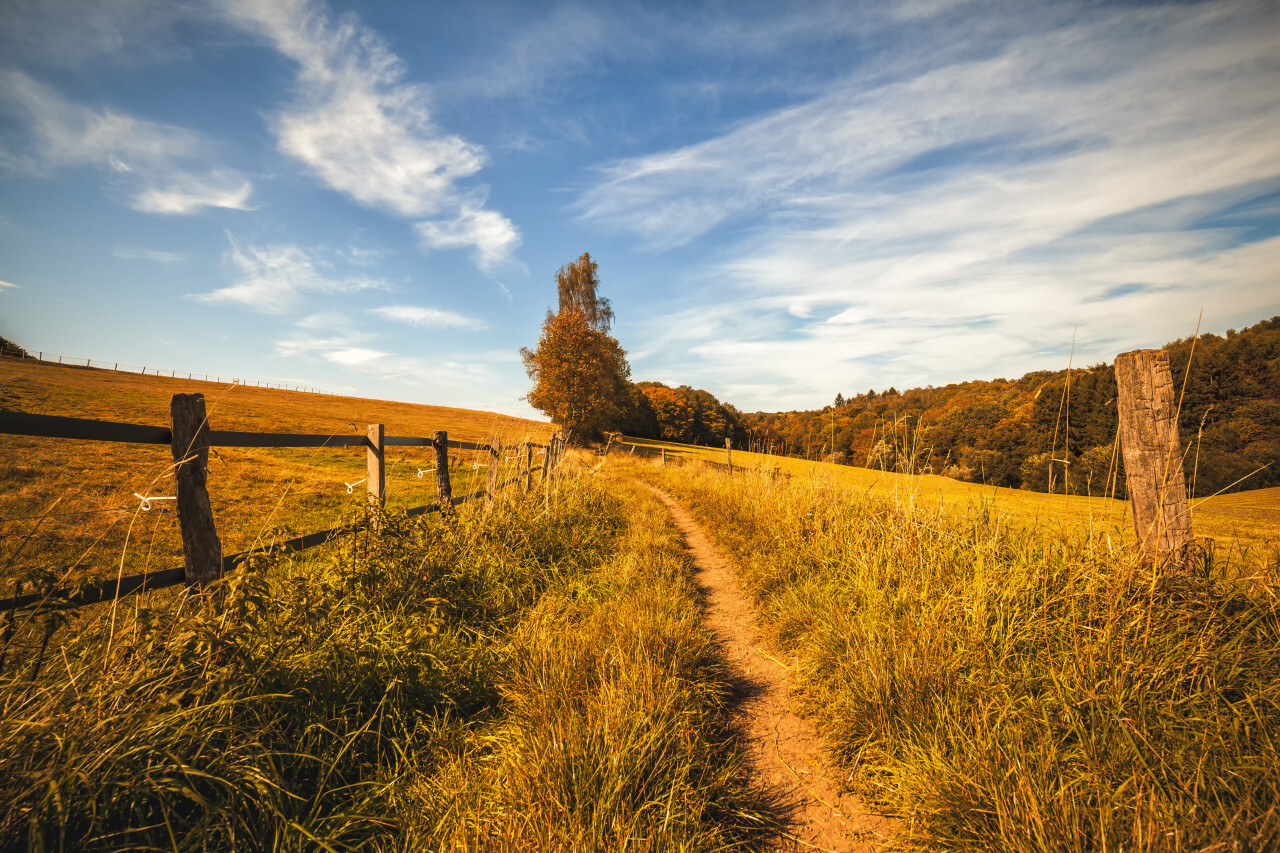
<point>443,486</point>
<point>491,483</point>
<point>1153,455</point>
<point>728,453</point>
<point>376,478</point>
<point>528,467</point>
<point>664,457</point>
<point>201,548</point>
<point>546,458</point>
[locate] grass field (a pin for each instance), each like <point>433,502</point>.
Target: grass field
<point>529,676</point>
<point>1243,524</point>
<point>67,508</point>
<point>996,667</point>
<point>1005,686</point>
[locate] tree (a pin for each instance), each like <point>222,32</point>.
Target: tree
<point>839,400</point>
<point>676,418</point>
<point>576,285</point>
<point>579,372</point>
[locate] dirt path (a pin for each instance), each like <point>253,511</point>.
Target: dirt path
<point>785,748</point>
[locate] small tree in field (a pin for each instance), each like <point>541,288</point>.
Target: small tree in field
<point>579,372</point>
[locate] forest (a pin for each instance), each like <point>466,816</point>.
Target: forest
<point>1054,430</point>
<point>1046,431</point>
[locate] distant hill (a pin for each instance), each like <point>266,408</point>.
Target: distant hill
<point>1009,432</point>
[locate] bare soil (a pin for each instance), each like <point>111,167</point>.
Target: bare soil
<point>785,748</point>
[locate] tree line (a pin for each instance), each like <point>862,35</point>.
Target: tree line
<point>1056,430</point>
<point>1046,431</point>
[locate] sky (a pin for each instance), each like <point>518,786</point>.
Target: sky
<point>786,200</point>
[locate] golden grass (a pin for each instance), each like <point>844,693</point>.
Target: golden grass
<point>1008,687</point>
<point>68,511</point>
<point>1247,523</point>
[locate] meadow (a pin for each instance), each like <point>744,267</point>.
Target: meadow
<point>996,668</point>
<point>1244,524</point>
<point>68,511</point>
<point>1005,685</point>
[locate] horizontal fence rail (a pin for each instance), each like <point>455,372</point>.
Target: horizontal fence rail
<point>374,442</point>
<point>56,426</point>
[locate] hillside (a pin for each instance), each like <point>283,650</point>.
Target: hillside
<point>73,502</point>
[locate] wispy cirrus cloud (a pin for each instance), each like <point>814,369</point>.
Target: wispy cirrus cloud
<point>154,255</point>
<point>163,167</point>
<point>430,318</point>
<point>367,132</point>
<point>8,285</point>
<point>276,279</point>
<point>187,193</point>
<point>957,214</point>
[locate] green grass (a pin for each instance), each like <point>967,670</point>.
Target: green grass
<point>1007,688</point>
<point>526,676</point>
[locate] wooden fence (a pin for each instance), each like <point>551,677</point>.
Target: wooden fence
<point>189,437</point>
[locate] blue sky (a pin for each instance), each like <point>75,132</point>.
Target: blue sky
<point>786,200</point>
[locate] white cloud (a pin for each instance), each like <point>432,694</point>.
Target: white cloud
<point>275,279</point>
<point>368,133</point>
<point>8,285</point>
<point>159,161</point>
<point>188,193</point>
<point>355,356</point>
<point>938,225</point>
<point>492,235</point>
<point>153,255</point>
<point>431,318</point>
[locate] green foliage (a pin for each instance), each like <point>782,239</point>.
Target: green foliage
<point>1007,690</point>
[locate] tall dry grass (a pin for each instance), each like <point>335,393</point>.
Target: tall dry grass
<point>68,511</point>
<point>526,676</point>
<point>1005,689</point>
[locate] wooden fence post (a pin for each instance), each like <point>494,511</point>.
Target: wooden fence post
<point>528,467</point>
<point>728,454</point>
<point>442,470</point>
<point>491,483</point>
<point>376,476</point>
<point>546,458</point>
<point>1153,455</point>
<point>664,457</point>
<point>201,548</point>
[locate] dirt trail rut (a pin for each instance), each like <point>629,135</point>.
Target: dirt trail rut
<point>785,749</point>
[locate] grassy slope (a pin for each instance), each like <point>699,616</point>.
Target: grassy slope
<point>1006,687</point>
<point>1244,520</point>
<point>527,677</point>
<point>68,503</point>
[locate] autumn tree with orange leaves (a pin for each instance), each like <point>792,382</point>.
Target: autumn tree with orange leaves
<point>579,371</point>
